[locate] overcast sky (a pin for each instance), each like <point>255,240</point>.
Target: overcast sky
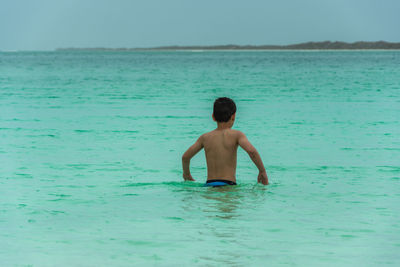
<point>49,24</point>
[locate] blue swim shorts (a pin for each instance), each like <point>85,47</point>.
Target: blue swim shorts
<point>218,182</point>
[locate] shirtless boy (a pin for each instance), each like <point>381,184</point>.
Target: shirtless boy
<point>220,146</point>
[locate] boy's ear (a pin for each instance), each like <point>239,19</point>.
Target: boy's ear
<point>213,117</point>
<point>233,116</point>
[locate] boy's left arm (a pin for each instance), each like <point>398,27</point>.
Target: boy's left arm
<point>193,150</point>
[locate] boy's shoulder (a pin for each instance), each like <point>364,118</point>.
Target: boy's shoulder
<point>236,133</point>
<point>232,132</point>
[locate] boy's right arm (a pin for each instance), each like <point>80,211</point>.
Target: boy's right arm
<point>255,157</point>
<point>196,147</point>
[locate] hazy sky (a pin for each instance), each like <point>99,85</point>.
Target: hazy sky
<point>48,24</point>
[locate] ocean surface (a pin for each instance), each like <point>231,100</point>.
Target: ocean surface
<point>91,146</point>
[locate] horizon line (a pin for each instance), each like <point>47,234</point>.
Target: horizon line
<point>310,45</point>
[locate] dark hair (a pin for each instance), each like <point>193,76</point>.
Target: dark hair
<point>224,108</point>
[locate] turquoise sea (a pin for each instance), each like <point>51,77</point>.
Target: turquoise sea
<point>91,145</point>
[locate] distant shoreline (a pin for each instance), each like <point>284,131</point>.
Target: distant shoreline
<point>380,45</point>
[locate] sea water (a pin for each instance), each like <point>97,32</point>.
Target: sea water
<point>91,146</point>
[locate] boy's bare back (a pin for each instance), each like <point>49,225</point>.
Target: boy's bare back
<point>220,146</point>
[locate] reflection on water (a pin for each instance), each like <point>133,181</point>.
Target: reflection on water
<point>221,202</point>
<point>225,202</point>
<point>222,216</point>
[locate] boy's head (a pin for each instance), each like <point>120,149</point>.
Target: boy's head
<point>224,108</point>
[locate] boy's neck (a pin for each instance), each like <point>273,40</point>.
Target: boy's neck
<point>224,125</point>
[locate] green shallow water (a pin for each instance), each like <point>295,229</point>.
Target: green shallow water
<point>90,147</point>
